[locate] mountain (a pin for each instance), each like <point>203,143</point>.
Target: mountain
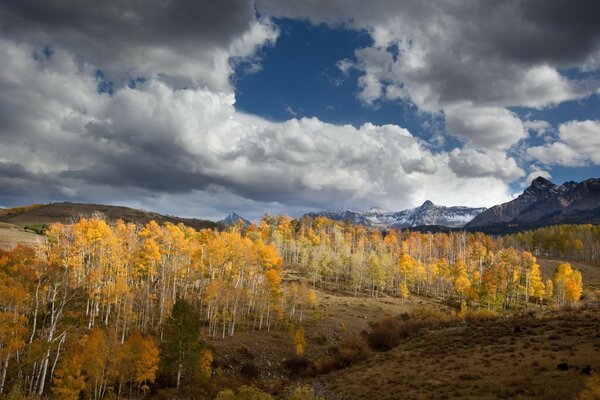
<point>233,219</point>
<point>425,215</point>
<point>65,212</point>
<point>544,203</point>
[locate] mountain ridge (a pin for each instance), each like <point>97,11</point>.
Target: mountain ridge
<point>543,202</point>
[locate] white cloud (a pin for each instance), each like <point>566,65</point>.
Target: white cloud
<point>535,173</point>
<point>578,145</point>
<point>537,126</point>
<point>485,127</point>
<point>472,163</point>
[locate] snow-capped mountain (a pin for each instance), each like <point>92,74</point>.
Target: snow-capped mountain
<point>427,214</point>
<point>233,219</point>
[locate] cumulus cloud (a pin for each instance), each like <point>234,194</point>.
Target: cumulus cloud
<point>485,127</point>
<point>472,163</point>
<point>537,126</point>
<point>578,144</point>
<point>536,173</point>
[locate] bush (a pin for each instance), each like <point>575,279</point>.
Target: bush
<point>244,393</point>
<point>304,393</point>
<point>481,315</point>
<point>297,364</point>
<point>352,350</point>
<point>387,333</point>
<point>249,370</point>
<point>40,229</point>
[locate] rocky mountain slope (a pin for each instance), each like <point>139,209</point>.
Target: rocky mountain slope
<point>424,215</point>
<point>544,203</point>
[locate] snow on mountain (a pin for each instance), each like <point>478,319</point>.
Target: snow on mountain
<point>427,214</point>
<point>233,219</point>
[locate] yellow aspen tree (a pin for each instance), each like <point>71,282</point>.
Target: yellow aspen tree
<point>298,340</point>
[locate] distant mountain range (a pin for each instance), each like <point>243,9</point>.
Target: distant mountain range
<point>427,214</point>
<point>544,203</point>
<point>233,219</point>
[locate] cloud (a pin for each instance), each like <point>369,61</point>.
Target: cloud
<point>578,145</point>
<point>535,173</point>
<point>473,163</point>
<point>185,43</point>
<point>485,127</point>
<point>537,126</point>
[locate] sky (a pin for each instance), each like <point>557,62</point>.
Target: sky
<point>202,108</point>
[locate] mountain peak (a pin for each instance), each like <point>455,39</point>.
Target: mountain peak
<point>540,186</point>
<point>376,210</point>
<point>427,204</point>
<point>233,218</point>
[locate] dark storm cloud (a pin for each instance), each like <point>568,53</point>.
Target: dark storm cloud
<point>186,42</point>
<point>136,22</point>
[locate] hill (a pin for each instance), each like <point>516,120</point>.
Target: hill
<point>64,212</point>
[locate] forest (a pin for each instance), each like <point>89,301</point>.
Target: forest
<point>108,309</point>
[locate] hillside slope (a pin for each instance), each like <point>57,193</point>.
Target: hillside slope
<point>64,212</point>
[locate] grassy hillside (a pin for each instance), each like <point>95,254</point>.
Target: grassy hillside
<point>531,357</point>
<point>65,212</point>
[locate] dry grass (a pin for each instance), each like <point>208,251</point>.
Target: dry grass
<point>484,360</point>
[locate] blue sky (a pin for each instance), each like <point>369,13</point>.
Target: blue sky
<point>279,106</point>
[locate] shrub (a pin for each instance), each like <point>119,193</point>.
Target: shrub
<point>40,229</point>
<point>352,350</point>
<point>249,370</point>
<point>481,315</point>
<point>297,365</point>
<point>387,333</point>
<point>244,393</point>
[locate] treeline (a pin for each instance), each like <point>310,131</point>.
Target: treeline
<point>475,269</point>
